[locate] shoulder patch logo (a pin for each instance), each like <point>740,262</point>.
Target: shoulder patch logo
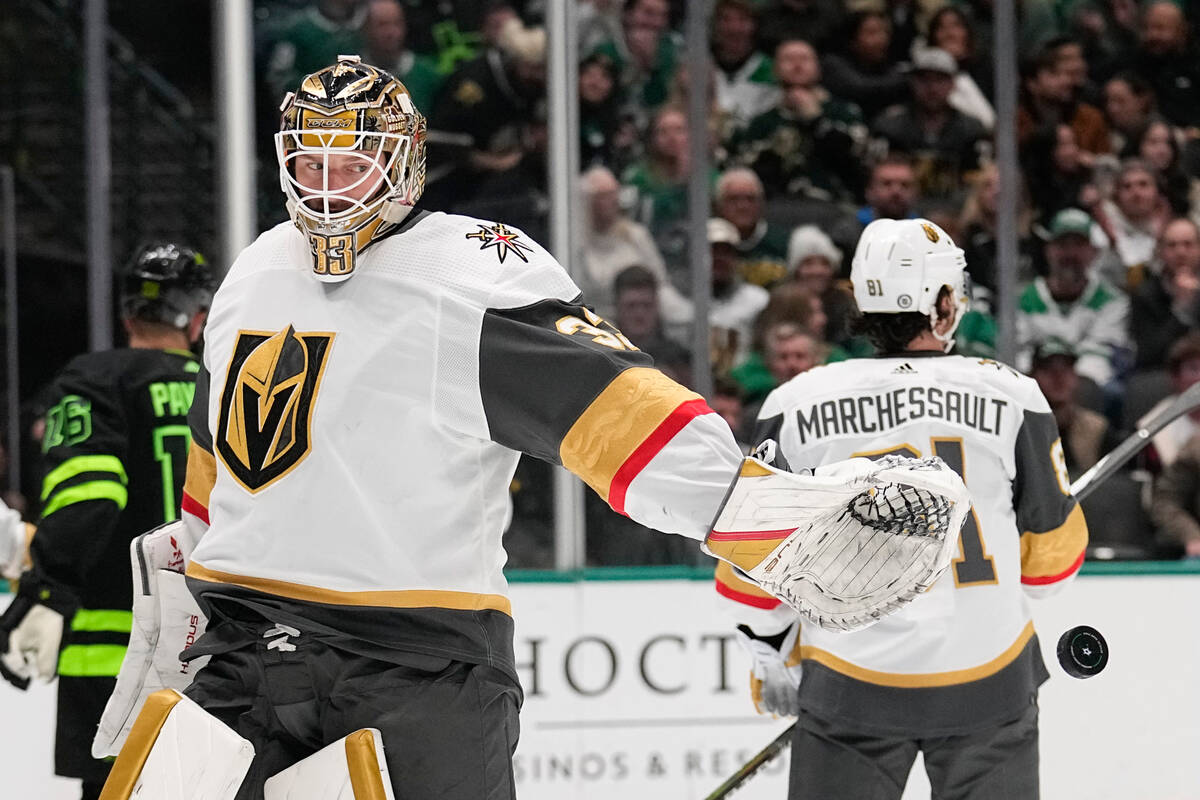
<point>265,424</point>
<point>501,238</point>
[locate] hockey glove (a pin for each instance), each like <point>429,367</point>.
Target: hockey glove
<point>775,674</point>
<point>31,632</point>
<point>852,542</point>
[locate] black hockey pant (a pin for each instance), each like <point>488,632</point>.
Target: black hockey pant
<point>448,733</point>
<point>831,762</point>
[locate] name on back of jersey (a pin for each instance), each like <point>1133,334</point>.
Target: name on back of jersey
<point>881,411</point>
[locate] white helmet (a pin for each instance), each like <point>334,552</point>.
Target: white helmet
<point>901,265</point>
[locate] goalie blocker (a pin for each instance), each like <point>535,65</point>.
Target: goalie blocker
<point>178,751</point>
<point>848,544</point>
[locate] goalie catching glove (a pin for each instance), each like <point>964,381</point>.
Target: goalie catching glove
<point>847,545</point>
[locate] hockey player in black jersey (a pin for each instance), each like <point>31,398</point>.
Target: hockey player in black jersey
<point>114,454</point>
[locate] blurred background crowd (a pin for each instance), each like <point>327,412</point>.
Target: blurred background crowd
<point>824,115</point>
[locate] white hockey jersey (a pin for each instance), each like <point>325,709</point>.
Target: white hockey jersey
<point>964,655</point>
<point>355,441</point>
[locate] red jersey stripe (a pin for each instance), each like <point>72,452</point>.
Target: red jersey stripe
<point>1042,580</point>
<point>192,506</point>
<point>650,447</point>
<point>747,599</point>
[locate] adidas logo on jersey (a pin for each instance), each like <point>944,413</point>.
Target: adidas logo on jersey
<point>904,369</point>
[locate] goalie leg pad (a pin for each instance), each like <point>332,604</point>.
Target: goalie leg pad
<point>352,768</point>
<point>178,751</point>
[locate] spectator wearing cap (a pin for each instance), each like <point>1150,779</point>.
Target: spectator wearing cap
<point>735,303</point>
<point>1085,434</point>
<point>613,243</point>
<point>744,82</point>
<point>814,262</point>
<point>762,248</point>
<point>944,142</point>
<point>811,142</point>
<point>385,39</point>
<point>1166,305</point>
<point>1073,304</point>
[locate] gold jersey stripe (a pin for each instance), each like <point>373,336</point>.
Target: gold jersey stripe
<point>128,766</point>
<point>728,576</point>
<point>621,417</point>
<point>1055,551</point>
<point>903,680</point>
<point>363,765</point>
<point>406,598</point>
<point>201,474</point>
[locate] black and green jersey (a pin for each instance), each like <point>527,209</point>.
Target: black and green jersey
<point>114,453</point>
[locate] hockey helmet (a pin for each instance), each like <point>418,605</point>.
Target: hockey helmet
<point>351,150</point>
<point>166,283</point>
<point>901,265</point>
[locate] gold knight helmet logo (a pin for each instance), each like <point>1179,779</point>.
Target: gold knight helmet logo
<point>265,424</point>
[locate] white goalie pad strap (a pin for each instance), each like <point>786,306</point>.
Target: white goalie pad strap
<point>847,545</point>
<point>178,751</point>
<point>352,768</point>
<point>166,621</point>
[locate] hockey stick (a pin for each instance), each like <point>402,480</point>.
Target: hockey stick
<point>760,760</point>
<point>1088,482</point>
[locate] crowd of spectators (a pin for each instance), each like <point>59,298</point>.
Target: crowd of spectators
<point>826,115</point>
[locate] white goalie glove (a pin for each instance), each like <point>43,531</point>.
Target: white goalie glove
<point>847,545</point>
<point>166,621</point>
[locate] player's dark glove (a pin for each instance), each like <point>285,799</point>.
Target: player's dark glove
<point>31,632</point>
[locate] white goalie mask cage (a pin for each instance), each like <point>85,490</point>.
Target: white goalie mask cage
<point>901,265</point>
<point>351,152</point>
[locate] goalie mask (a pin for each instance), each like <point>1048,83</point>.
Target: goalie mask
<point>901,266</point>
<point>166,283</point>
<point>351,150</point>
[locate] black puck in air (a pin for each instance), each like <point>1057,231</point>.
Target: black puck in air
<point>1082,652</point>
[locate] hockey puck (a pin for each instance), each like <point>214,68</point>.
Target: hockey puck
<point>1082,652</point>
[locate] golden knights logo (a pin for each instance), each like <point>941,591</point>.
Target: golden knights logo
<point>502,239</point>
<point>265,424</point>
